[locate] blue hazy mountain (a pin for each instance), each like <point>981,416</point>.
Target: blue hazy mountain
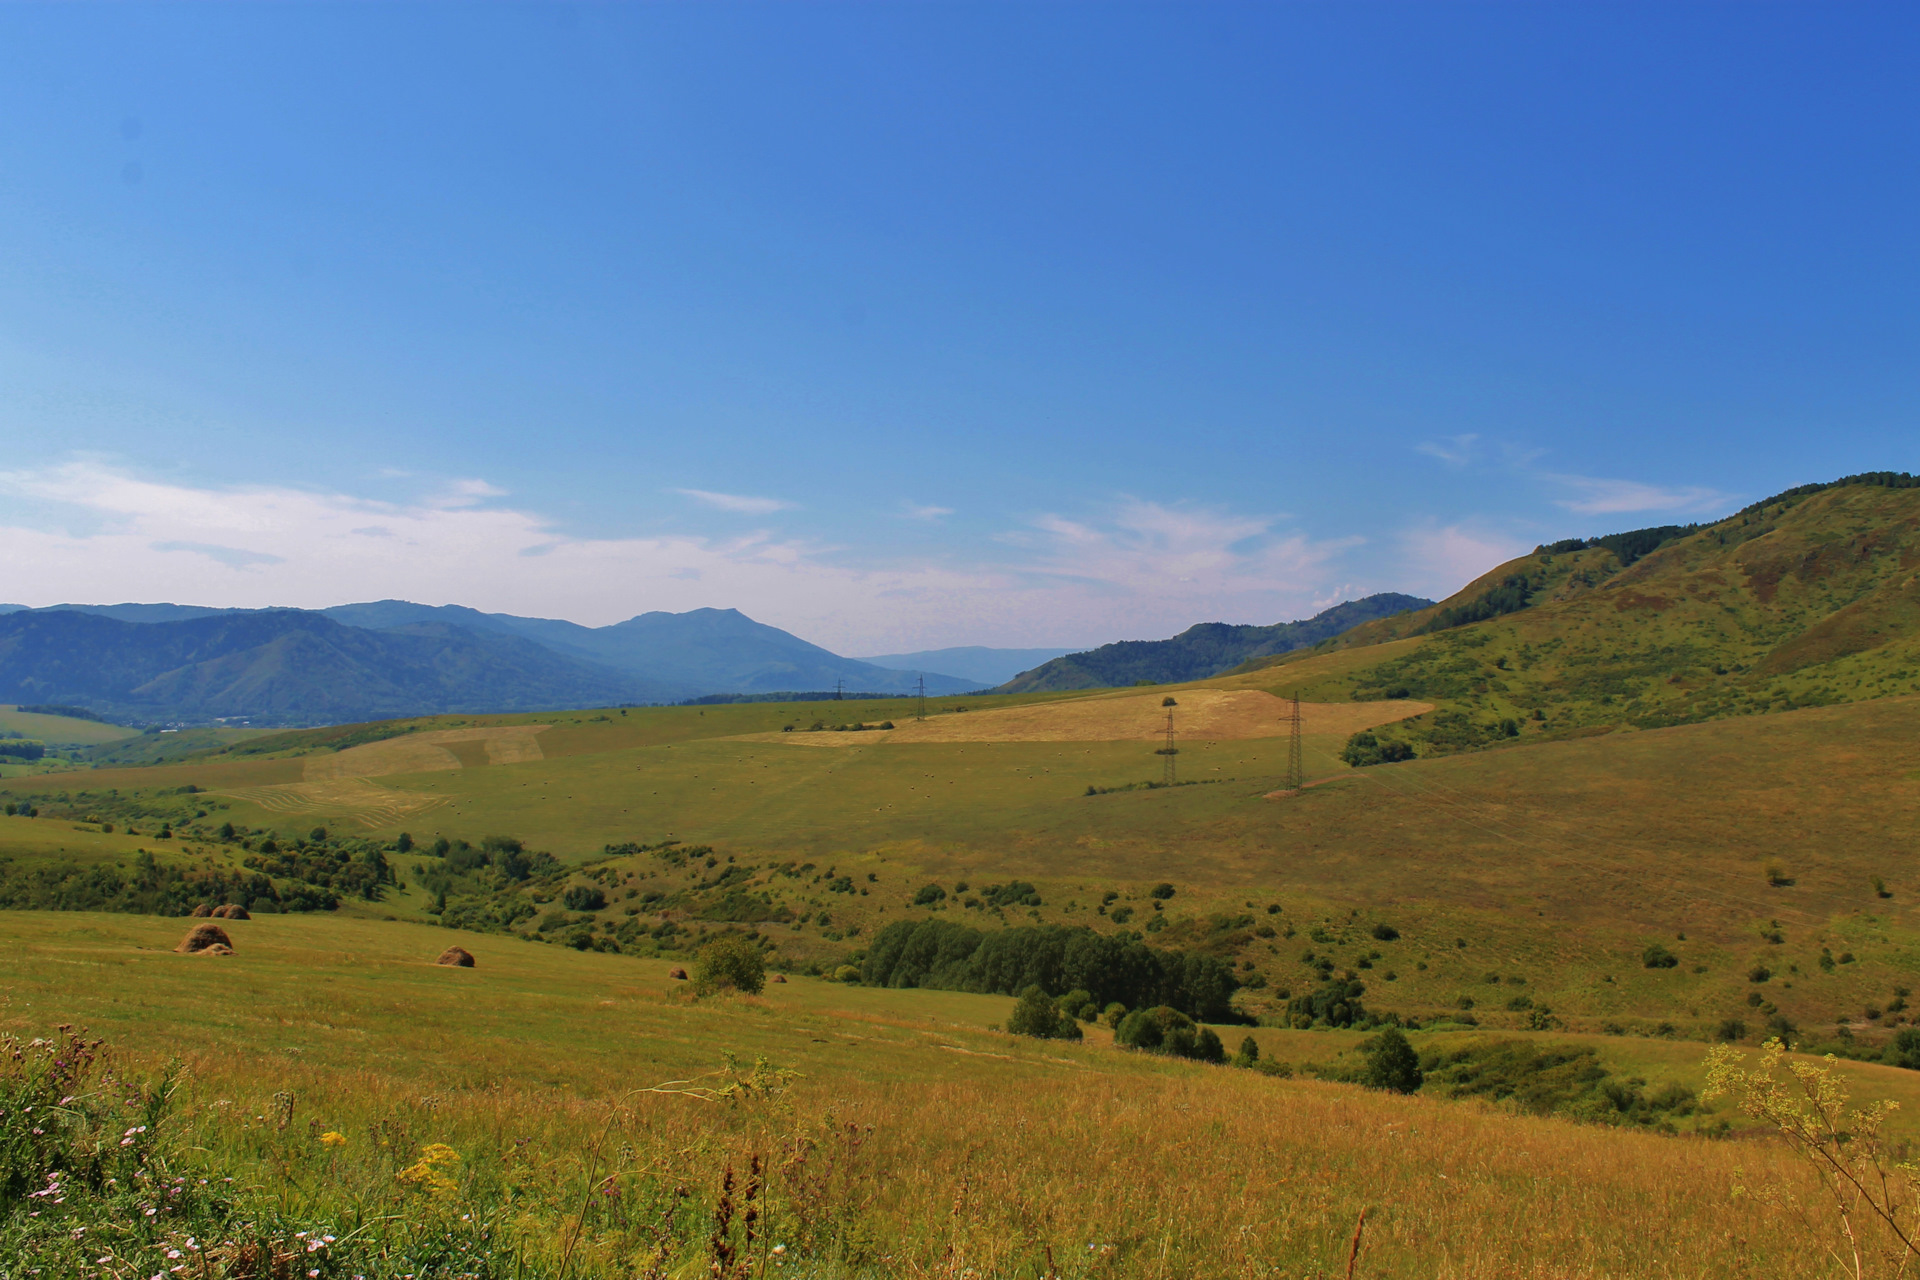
<point>393,657</point>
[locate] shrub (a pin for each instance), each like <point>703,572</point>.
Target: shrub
<point>1271,1067</point>
<point>1385,932</point>
<point>1333,1004</point>
<point>1166,1030</point>
<point>1364,748</point>
<point>583,897</point>
<point>1249,1052</point>
<point>731,963</point>
<point>847,973</point>
<point>1078,1004</point>
<point>1391,1063</point>
<point>1759,973</point>
<point>928,895</point>
<point>1162,891</point>
<point>1730,1030</point>
<point>1113,1013</point>
<point>1904,1049</point>
<point>1658,957</point>
<point>1036,1015</point>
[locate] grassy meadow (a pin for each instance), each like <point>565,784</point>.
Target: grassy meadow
<point>1740,845</point>
<point>1507,894</point>
<point>913,1140</point>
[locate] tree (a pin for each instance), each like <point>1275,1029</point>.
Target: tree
<point>1658,957</point>
<point>583,897</point>
<point>1036,1015</point>
<point>1391,1064</point>
<point>1163,1029</point>
<point>404,844</point>
<point>730,963</point>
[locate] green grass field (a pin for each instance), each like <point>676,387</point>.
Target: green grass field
<point>1557,863</point>
<point>60,730</point>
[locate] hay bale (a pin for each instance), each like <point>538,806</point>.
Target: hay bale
<point>677,973</point>
<point>201,912</point>
<point>459,957</point>
<point>779,977</point>
<point>232,911</point>
<point>203,938</point>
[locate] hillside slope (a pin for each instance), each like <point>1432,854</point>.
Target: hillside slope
<point>1203,650</point>
<point>1808,599</point>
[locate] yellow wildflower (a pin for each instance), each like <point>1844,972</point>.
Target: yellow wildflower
<point>427,1172</point>
<point>332,1139</point>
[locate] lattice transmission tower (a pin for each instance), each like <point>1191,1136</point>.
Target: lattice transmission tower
<point>1296,770</point>
<point>1168,774</point>
<point>920,712</point>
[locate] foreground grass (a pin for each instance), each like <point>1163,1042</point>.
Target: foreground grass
<point>912,1141</point>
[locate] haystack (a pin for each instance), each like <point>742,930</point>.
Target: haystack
<point>678,973</point>
<point>201,912</point>
<point>459,957</point>
<point>232,911</point>
<point>209,939</point>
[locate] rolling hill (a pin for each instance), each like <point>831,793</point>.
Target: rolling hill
<point>1203,650</point>
<point>1807,599</point>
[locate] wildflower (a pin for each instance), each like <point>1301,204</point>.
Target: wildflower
<point>333,1139</point>
<point>779,1248</point>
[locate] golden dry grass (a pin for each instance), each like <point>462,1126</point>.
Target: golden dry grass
<point>934,1147</point>
<point>1202,713</point>
<point>428,752</point>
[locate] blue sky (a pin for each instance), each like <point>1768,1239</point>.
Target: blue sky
<point>915,325</point>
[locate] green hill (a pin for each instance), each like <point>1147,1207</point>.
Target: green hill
<point>1200,651</point>
<point>1807,599</point>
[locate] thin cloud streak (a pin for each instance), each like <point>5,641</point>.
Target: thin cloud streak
<point>1598,496</point>
<point>736,502</point>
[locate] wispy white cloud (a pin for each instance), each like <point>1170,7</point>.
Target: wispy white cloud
<point>465,493</point>
<point>736,502</point>
<point>914,511</point>
<point>1135,569</point>
<point>1595,496</point>
<point>1455,451</point>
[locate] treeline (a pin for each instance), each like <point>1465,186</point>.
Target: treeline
<point>61,709</point>
<point>1056,958</point>
<point>150,888</point>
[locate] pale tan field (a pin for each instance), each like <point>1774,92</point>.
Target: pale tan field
<point>1202,714</point>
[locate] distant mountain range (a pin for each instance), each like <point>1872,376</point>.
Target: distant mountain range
<point>1201,651</point>
<point>971,662</point>
<point>148,662</point>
